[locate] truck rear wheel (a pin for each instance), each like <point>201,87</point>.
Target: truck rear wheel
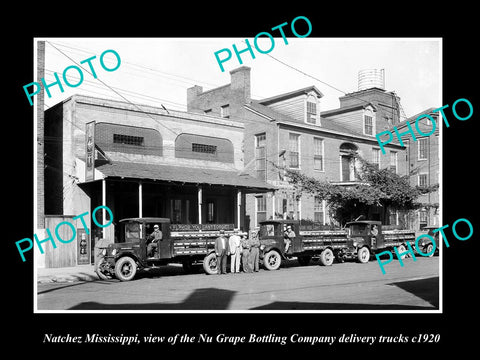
<point>401,250</point>
<point>125,268</point>
<point>210,264</point>
<point>363,255</point>
<point>327,257</point>
<point>272,260</point>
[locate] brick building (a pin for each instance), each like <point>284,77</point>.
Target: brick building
<point>290,130</point>
<point>423,166</point>
<point>144,161</point>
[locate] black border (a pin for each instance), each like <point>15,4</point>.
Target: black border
<point>157,20</point>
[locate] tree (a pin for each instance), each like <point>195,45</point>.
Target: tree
<point>381,187</point>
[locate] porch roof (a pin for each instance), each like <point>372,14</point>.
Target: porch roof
<point>181,174</point>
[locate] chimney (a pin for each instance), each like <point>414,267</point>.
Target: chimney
<point>192,94</point>
<point>240,82</point>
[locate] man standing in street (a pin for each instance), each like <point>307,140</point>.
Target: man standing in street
<point>235,252</point>
<point>254,252</point>
<point>245,243</point>
<point>221,252</point>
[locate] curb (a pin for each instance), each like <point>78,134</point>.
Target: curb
<point>66,278</point>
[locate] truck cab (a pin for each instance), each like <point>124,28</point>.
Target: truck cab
<point>364,237</point>
<point>129,252</point>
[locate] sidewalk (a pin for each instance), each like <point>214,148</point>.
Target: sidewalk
<point>66,274</point>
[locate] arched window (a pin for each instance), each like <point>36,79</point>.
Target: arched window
<point>192,146</point>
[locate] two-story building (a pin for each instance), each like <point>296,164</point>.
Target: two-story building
<point>145,161</point>
<point>289,130</point>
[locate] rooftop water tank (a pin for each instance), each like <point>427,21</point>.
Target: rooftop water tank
<point>371,78</point>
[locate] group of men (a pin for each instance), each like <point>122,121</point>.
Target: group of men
<point>242,251</point>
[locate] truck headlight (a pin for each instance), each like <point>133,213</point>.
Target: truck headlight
<point>262,247</point>
<point>355,244</point>
<point>114,252</point>
<point>104,252</point>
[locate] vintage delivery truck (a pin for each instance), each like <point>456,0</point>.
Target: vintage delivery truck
<point>184,244</point>
<point>358,240</point>
<point>194,244</point>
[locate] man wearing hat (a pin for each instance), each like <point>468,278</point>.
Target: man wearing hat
<point>288,236</point>
<point>153,239</point>
<point>221,246</point>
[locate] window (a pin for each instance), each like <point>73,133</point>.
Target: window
<point>376,157</point>
<point>422,148</point>
<point>260,158</point>
<point>261,208</point>
<point>422,180</point>
<point>318,154</point>
<point>128,140</point>
<point>318,206</point>
<point>423,218</point>
<point>393,161</point>
<point>294,151</point>
<point>225,111</point>
<point>204,148</point>
<point>311,112</point>
<point>368,125</point>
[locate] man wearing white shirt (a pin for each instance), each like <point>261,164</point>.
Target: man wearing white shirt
<point>235,252</point>
<point>221,250</point>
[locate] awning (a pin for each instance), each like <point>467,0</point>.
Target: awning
<point>181,174</point>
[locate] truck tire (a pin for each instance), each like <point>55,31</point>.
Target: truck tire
<point>363,255</point>
<point>125,268</point>
<point>210,264</point>
<point>427,249</point>
<point>327,257</point>
<point>304,260</point>
<point>101,273</point>
<point>401,250</point>
<point>272,260</point>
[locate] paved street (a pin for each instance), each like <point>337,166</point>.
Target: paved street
<point>347,286</point>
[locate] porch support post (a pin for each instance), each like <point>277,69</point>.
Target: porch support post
<point>140,199</point>
<point>104,200</point>
<point>239,207</point>
<point>200,201</point>
<point>273,205</point>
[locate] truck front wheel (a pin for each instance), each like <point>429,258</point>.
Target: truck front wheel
<point>272,260</point>
<point>125,268</point>
<point>363,255</point>
<point>327,257</point>
<point>210,264</point>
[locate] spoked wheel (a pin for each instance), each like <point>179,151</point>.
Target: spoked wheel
<point>272,260</point>
<point>125,269</point>
<point>327,257</point>
<point>210,264</point>
<point>363,255</point>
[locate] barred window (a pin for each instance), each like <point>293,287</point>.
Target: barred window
<point>128,140</point>
<point>204,148</point>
